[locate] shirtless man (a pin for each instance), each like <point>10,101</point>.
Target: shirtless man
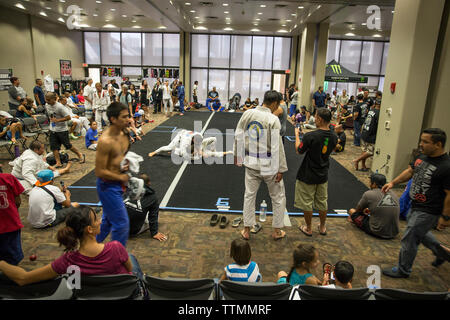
<point>111,149</point>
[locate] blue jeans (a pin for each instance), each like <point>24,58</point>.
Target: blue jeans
<point>136,267</point>
<point>181,99</point>
<point>115,216</point>
<point>292,109</point>
<point>11,247</point>
<point>357,129</point>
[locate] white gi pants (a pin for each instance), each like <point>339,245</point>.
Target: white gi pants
<point>209,148</point>
<point>168,101</point>
<point>277,194</point>
<point>99,115</point>
<point>82,122</point>
<point>172,145</point>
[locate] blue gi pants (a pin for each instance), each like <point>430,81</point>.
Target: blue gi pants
<point>115,216</point>
<point>181,99</point>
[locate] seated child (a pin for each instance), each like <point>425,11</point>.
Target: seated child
<point>10,129</point>
<point>243,270</point>
<point>91,137</point>
<point>343,275</point>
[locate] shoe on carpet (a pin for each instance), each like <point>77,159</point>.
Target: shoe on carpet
<point>394,272</point>
<point>223,222</point>
<point>214,219</point>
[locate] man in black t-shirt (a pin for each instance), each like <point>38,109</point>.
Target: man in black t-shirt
<point>358,120</point>
<point>368,136</point>
<point>311,187</point>
<point>430,205</point>
<point>342,138</point>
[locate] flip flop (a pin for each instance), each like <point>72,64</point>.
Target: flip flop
<point>304,232</point>
<point>223,222</point>
<point>322,233</point>
<point>84,159</point>
<point>236,222</point>
<point>214,219</point>
<point>283,234</point>
<point>256,228</point>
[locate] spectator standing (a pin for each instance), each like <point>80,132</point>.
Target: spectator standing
<point>88,94</point>
<point>294,102</point>
<point>311,188</point>
<point>157,95</point>
<point>377,213</point>
<point>319,98</point>
<point>10,224</point>
<point>430,194</point>
<point>181,97</point>
<point>167,101</point>
<point>143,98</point>
<point>195,91</point>
<point>15,94</point>
<point>39,96</point>
<point>342,138</point>
<point>358,120</point>
<point>100,102</point>
<point>126,99</point>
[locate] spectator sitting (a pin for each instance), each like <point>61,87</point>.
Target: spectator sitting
<point>342,138</point>
<point>10,224</point>
<point>81,97</point>
<point>377,213</point>
<point>306,258</point>
<point>146,208</point>
<point>74,97</point>
<point>81,249</point>
<point>343,275</point>
<point>255,103</point>
<point>92,137</point>
<point>243,270</point>
<point>49,205</point>
<point>247,105</point>
<point>311,124</point>
<point>216,106</point>
<point>9,129</point>
<point>343,116</point>
<point>25,109</point>
<point>26,167</point>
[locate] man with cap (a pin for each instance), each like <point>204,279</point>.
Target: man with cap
<point>49,205</point>
<point>377,213</point>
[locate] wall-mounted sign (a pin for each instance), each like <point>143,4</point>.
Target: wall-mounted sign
<point>5,75</point>
<point>66,69</point>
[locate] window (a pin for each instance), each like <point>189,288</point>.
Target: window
<point>334,47</point>
<point>262,53</point>
<point>200,75</point>
<point>350,55</point>
<point>241,51</point>
<point>260,83</point>
<point>92,47</point>
<point>110,42</point>
<point>131,48</point>
<point>381,84</point>
<point>240,83</point>
<point>199,45</point>
<point>152,49</point>
<point>281,53</point>
<point>219,51</point>
<point>385,56</point>
<point>371,57</point>
<point>171,52</point>
<point>219,79</point>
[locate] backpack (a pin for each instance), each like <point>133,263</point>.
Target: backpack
<point>128,94</point>
<point>62,155</point>
<point>136,216</point>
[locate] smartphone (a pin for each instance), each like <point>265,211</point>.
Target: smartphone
<point>62,186</point>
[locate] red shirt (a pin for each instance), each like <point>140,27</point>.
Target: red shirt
<point>10,188</point>
<point>80,98</point>
<point>110,261</point>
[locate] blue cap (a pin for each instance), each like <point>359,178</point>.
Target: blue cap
<point>137,115</point>
<point>45,175</point>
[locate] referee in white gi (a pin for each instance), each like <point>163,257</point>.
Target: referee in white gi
<point>258,146</point>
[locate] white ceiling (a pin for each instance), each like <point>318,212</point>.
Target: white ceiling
<point>269,17</point>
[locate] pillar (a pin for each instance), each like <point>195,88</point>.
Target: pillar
<point>321,56</point>
<point>305,64</point>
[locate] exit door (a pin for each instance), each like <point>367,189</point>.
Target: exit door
<point>279,82</point>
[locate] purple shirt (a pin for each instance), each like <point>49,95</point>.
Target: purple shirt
<point>110,261</point>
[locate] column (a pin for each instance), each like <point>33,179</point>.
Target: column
<point>321,56</point>
<point>414,35</point>
<point>305,64</point>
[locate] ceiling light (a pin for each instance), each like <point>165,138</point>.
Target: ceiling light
<point>282,31</point>
<point>228,29</point>
<point>84,26</point>
<point>162,27</point>
<point>66,14</point>
<point>293,14</point>
<point>124,15</point>
<point>197,17</point>
<point>107,20</point>
<point>295,26</point>
<point>98,1</point>
<point>258,19</point>
<point>200,28</point>
<point>136,27</point>
<point>318,7</point>
<point>288,20</point>
<point>133,21</point>
<point>255,30</point>
<point>363,24</point>
<point>228,18</point>
<point>192,11</point>
<point>61,20</point>
<point>350,34</point>
<point>301,7</point>
<point>392,11</point>
<point>225,4</point>
<point>112,9</point>
<point>188,3</point>
<point>95,15</point>
<point>20,6</point>
<point>260,13</point>
<point>226,12</point>
<point>255,24</point>
<point>228,22</point>
<point>48,8</point>
<point>42,13</point>
<point>377,36</point>
<point>109,26</point>
<point>283,25</point>
<point>62,1</point>
<point>263,6</point>
<point>171,2</point>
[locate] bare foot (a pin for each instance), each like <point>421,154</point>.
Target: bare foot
<point>245,234</point>
<point>355,164</point>
<point>152,154</point>
<point>159,236</point>
<point>279,234</point>
<point>13,140</point>
<point>349,219</point>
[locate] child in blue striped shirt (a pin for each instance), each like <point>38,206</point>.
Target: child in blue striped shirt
<point>243,270</point>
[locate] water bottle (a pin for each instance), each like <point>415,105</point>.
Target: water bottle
<point>53,123</point>
<point>263,211</point>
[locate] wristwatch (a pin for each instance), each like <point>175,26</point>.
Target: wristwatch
<point>446,218</point>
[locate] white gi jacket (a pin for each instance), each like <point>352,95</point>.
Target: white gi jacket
<point>258,142</point>
<point>102,101</point>
<point>26,167</point>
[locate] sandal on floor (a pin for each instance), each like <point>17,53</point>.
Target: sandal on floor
<point>280,235</point>
<point>236,222</point>
<point>256,228</point>
<point>84,159</point>
<point>214,219</point>
<point>322,233</point>
<point>302,229</point>
<point>223,222</point>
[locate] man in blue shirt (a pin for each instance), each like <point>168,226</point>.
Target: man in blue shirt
<point>181,97</point>
<point>39,93</point>
<point>212,96</point>
<point>319,98</point>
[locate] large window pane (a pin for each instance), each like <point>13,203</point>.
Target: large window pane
<point>350,55</point>
<point>260,83</point>
<point>262,53</point>
<point>171,49</point>
<point>372,83</point>
<point>200,75</point>
<point>381,84</point>
<point>385,56</point>
<point>219,51</point>
<point>199,48</point>
<point>240,83</point>
<point>371,57</point>
<point>219,79</point>
<point>131,48</point>
<point>241,48</point>
<point>152,49</point>
<point>281,53</point>
<point>110,42</point>
<point>92,47</point>
<point>328,87</point>
<point>334,46</point>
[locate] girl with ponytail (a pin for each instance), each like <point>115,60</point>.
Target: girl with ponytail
<point>306,259</point>
<point>82,250</point>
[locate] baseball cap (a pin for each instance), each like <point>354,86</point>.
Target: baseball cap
<point>44,177</point>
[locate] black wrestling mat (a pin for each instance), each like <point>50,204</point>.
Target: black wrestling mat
<point>215,187</point>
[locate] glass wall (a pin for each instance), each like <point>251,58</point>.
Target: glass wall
<point>367,58</point>
<point>132,52</point>
<point>237,64</point>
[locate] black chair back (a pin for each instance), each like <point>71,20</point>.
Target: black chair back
<point>310,292</point>
<point>180,289</point>
<point>12,112</point>
<point>399,294</point>
<point>233,290</point>
<point>108,287</point>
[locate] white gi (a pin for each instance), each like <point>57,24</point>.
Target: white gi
<point>167,99</point>
<point>258,143</point>
<point>81,122</point>
<point>100,104</point>
<point>181,145</point>
<point>27,166</point>
<point>88,91</point>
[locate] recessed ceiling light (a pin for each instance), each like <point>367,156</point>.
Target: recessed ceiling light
<point>107,20</point>
<point>192,11</point>
<point>124,15</point>
<point>377,36</point>
<point>20,6</point>
<point>318,7</point>
<point>288,20</point>
<point>84,26</point>
<point>392,11</point>
<point>112,9</point>
<point>136,27</point>
<point>66,14</point>
<point>200,28</point>
<point>263,6</point>
<point>48,8</point>
<point>188,3</point>
<point>350,34</point>
<point>226,12</point>
<point>295,26</point>
<point>98,1</point>
<point>255,30</point>
<point>293,14</point>
<point>283,25</point>
<point>200,21</point>
<point>282,31</point>
<point>61,20</point>
<point>363,24</point>
<point>42,13</point>
<point>109,26</point>
<point>62,1</point>
<point>162,27</point>
<point>255,24</point>
<point>228,22</point>
<point>95,15</point>
<point>133,21</point>
<point>197,17</point>
<point>225,4</point>
<point>258,19</point>
<point>301,7</point>
<point>228,18</point>
<point>228,29</point>
<point>260,13</point>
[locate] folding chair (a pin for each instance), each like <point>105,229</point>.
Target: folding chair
<point>180,289</point>
<point>8,145</point>
<point>30,130</point>
<point>399,294</point>
<point>109,287</point>
<point>233,290</point>
<point>44,125</point>
<point>309,292</point>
